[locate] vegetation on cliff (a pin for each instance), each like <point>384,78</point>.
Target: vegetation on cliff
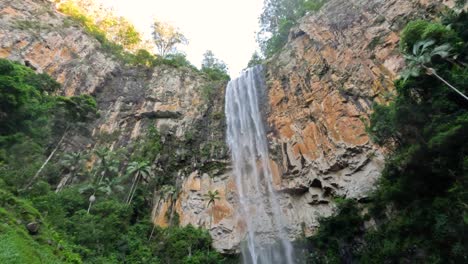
<point>277,19</point>
<point>73,211</point>
<point>419,213</point>
<point>121,39</point>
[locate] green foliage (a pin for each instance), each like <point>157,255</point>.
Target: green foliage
<point>216,74</point>
<point>18,245</point>
<point>277,19</point>
<point>113,32</point>
<point>125,38</point>
<point>166,38</point>
<point>71,230</point>
<point>79,108</point>
<point>207,91</point>
<point>419,206</point>
<point>176,60</point>
<point>424,30</point>
<point>24,102</point>
<point>185,245</point>
<point>144,58</point>
<point>26,105</point>
<point>29,25</point>
<point>31,118</point>
<point>112,234</point>
<point>148,147</point>
<point>140,169</point>
<point>213,68</point>
<point>334,240</point>
<point>211,197</point>
<point>255,60</point>
<point>422,56</point>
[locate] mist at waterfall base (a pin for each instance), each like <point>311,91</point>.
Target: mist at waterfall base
<point>266,238</point>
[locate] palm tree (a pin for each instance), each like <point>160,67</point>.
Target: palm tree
<point>106,187</point>
<point>421,58</point>
<point>108,164</point>
<point>138,169</point>
<point>212,197</point>
<point>72,162</point>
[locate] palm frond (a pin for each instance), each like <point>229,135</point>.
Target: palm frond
<point>426,44</point>
<point>86,188</point>
<point>442,51</point>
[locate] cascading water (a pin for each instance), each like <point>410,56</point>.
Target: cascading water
<point>267,240</point>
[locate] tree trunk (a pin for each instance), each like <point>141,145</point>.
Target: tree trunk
<point>134,189</point>
<point>131,189</point>
<point>47,160</point>
<point>89,207</point>
<point>152,232</point>
<point>211,218</point>
<point>63,182</point>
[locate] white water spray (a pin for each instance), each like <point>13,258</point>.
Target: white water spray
<point>266,241</point>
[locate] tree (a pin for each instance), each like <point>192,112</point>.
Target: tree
<point>256,59</point>
<point>127,35</point>
<point>69,112</point>
<point>72,163</point>
<point>139,170</point>
<point>278,17</point>
<point>213,67</point>
<point>97,17</point>
<point>25,104</point>
<point>210,61</point>
<point>108,163</point>
<point>106,187</point>
<point>166,38</point>
<point>212,197</point>
<point>421,57</point>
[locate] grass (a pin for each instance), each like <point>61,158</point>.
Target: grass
<point>18,246</point>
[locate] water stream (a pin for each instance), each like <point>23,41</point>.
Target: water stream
<point>266,239</point>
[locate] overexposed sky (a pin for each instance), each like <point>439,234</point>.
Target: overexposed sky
<point>227,27</point>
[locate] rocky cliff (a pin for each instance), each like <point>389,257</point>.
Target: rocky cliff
<point>320,90</point>
<point>184,106</point>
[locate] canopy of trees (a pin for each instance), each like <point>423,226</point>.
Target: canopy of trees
<point>85,215</point>
<point>115,28</point>
<point>278,17</point>
<point>213,67</point>
<point>166,38</point>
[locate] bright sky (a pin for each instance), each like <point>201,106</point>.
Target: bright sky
<point>227,27</point>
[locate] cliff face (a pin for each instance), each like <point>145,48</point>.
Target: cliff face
<point>36,35</point>
<point>320,90</point>
<point>130,100</point>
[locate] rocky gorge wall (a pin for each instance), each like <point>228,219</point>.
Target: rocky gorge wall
<point>130,99</point>
<point>320,90</point>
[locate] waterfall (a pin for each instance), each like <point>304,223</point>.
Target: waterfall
<point>266,240</point>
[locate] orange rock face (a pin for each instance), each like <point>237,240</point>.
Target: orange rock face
<point>161,218</point>
<point>321,87</point>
